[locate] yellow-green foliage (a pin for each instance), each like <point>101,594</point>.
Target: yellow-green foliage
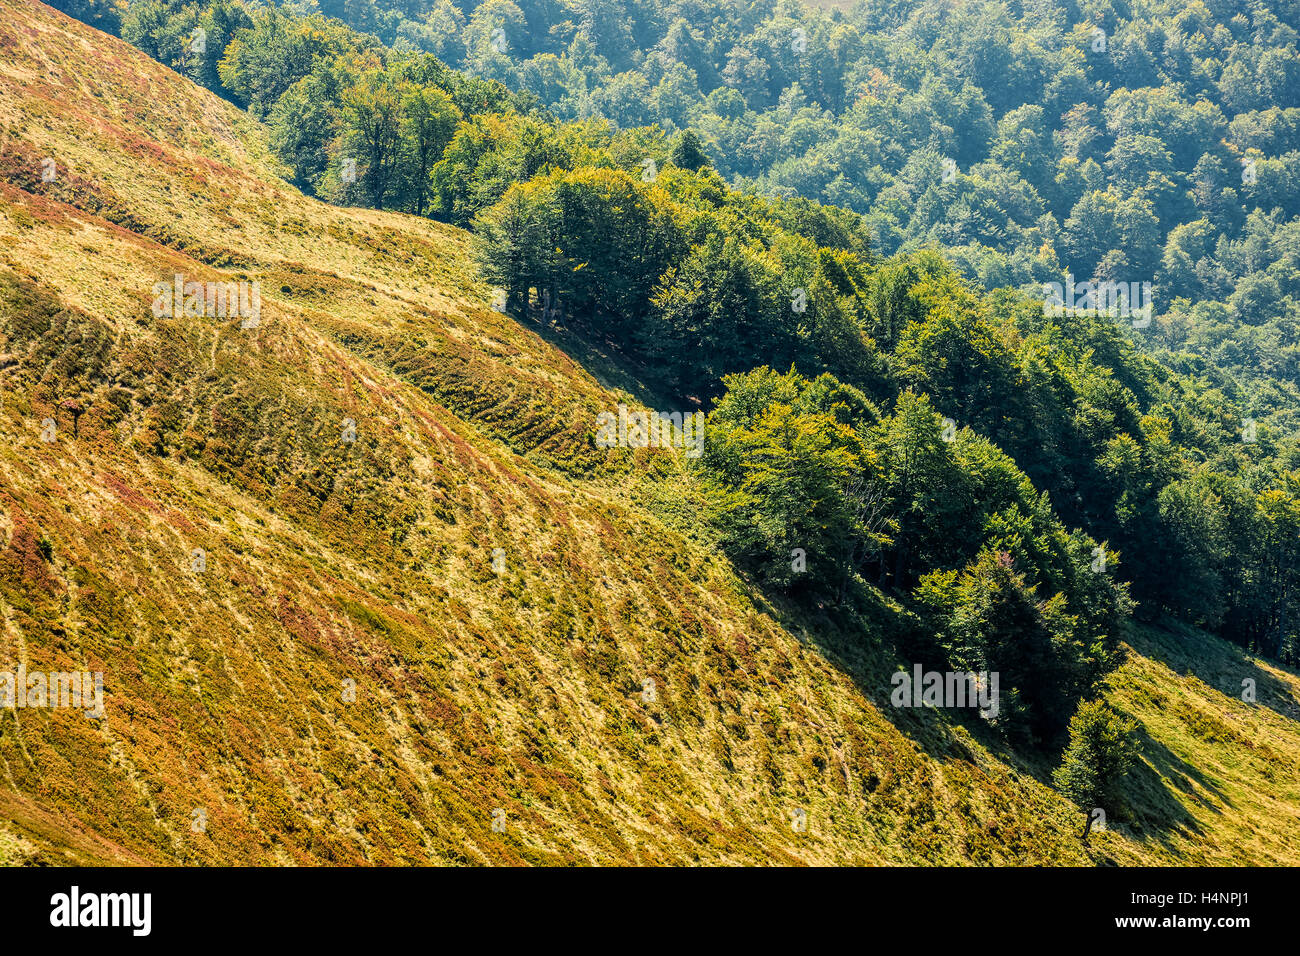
<point>371,561</point>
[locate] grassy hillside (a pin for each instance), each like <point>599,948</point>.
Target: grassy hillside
<point>371,561</point>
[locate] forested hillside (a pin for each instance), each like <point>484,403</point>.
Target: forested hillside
<point>1137,142</point>
<point>908,459</point>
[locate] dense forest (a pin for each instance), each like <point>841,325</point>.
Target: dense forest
<point>833,231</point>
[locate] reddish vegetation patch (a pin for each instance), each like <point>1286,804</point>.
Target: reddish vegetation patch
<point>138,146</point>
<point>211,165</point>
<point>441,709</point>
<point>183,524</point>
<point>23,556</point>
<point>298,622</point>
<point>744,652</point>
<point>127,495</point>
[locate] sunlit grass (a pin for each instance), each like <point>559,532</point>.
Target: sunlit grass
<point>371,561</point>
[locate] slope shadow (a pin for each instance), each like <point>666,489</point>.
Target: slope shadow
<point>1150,806</point>
<point>1183,651</point>
<point>870,660</point>
<point>611,367</point>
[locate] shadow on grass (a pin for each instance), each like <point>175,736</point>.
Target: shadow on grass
<point>609,365</point>
<point>870,655</point>
<point>1154,793</point>
<point>1218,664</point>
<point>1151,809</point>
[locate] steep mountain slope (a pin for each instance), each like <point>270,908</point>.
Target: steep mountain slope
<point>484,679</point>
